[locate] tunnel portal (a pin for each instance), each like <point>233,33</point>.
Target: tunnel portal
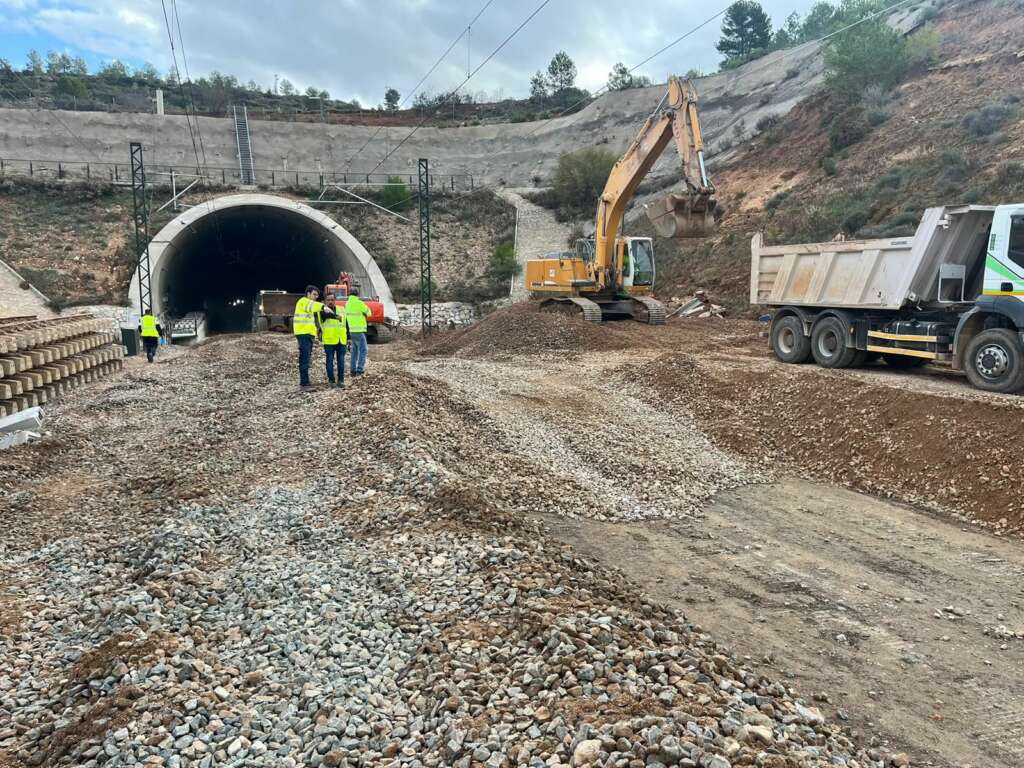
<point>217,256</point>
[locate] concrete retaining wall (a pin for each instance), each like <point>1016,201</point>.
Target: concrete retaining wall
<point>515,153</point>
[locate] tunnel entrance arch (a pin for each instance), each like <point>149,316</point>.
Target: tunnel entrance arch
<point>216,257</point>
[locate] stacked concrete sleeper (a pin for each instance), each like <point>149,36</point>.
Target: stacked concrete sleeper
<point>42,359</point>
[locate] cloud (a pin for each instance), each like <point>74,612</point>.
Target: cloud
<point>357,48</point>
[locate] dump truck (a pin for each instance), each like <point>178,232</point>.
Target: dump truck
<point>952,295</point>
<point>273,310</point>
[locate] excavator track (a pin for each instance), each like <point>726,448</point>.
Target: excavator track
<point>648,310</point>
<point>574,305</point>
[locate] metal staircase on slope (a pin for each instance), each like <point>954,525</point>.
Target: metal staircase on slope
<point>246,171</point>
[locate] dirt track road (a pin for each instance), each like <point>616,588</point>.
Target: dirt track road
<point>843,594</point>
<point>886,610</point>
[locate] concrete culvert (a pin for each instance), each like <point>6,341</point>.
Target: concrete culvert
<point>217,256</point>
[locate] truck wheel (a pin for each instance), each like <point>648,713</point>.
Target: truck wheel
<point>262,324</point>
<point>995,361</point>
<point>789,343</point>
<point>829,345</point>
<point>904,361</point>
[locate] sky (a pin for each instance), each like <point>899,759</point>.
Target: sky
<point>358,48</point>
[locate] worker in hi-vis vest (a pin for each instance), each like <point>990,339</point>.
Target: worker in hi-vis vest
<point>150,330</point>
<point>356,313</point>
<point>304,326</point>
<point>334,338</point>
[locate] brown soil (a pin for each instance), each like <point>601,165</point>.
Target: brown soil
<point>523,330</point>
<point>875,429</point>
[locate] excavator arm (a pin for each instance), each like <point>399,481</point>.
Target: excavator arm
<point>679,215</point>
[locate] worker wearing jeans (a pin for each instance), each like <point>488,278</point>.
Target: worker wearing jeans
<point>304,326</point>
<point>332,330</point>
<point>356,313</point>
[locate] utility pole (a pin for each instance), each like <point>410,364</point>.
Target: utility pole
<point>140,216</point>
<point>426,284</point>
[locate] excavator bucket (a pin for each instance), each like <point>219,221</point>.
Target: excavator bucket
<point>683,216</point>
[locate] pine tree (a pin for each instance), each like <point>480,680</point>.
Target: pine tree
<point>746,29</point>
<point>538,86</point>
<point>561,72</point>
<point>34,63</point>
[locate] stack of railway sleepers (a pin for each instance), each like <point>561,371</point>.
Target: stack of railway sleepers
<point>43,359</point>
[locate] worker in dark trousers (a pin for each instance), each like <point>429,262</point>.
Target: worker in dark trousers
<point>356,313</point>
<point>150,330</point>
<point>334,337</point>
<point>304,327</point>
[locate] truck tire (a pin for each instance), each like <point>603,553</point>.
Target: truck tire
<point>262,324</point>
<point>904,361</point>
<point>829,344</point>
<point>994,361</point>
<point>789,343</point>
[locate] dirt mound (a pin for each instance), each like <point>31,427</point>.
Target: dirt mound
<point>939,451</point>
<point>523,330</point>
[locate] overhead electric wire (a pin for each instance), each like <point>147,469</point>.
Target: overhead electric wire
<point>181,87</point>
<point>704,23</point>
<point>409,95</point>
<point>469,77</point>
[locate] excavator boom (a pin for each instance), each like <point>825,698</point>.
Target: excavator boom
<point>690,214</point>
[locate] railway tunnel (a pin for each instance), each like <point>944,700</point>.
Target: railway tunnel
<point>216,257</point>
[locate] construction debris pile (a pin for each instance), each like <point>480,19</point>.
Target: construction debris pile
<point>393,612</point>
<point>523,330</point>
<point>41,359</point>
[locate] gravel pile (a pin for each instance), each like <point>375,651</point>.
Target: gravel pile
<point>390,606</point>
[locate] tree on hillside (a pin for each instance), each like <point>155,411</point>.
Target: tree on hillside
<point>114,70</point>
<point>324,95</point>
<point>285,87</point>
<point>561,72</point>
<point>819,21</point>
<point>871,54</point>
<point>149,73</point>
<point>621,79</point>
<point>78,66</point>
<point>252,86</point>
<point>72,86</point>
<point>5,67</point>
<point>57,63</point>
<point>789,33</point>
<point>745,29</point>
<point>34,63</point>
<point>391,99</point>
<point>312,92</point>
<point>580,179</point>
<point>538,86</point>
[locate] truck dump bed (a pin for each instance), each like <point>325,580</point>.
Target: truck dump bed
<point>878,274</point>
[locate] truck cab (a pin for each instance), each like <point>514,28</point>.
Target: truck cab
<point>1004,258</point>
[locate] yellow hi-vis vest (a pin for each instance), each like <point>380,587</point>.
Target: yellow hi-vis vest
<point>304,317</point>
<point>148,323</point>
<point>356,313</point>
<point>333,331</point>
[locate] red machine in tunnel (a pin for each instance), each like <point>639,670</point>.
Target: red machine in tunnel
<point>341,290</point>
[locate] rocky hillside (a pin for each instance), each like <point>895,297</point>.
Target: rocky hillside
<point>75,241</point>
<point>950,132</point>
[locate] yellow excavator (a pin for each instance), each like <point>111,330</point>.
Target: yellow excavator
<point>612,276</point>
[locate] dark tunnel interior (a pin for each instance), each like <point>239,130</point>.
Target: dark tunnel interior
<point>222,262</point>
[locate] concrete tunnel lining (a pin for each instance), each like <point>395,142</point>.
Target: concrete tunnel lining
<point>232,245</point>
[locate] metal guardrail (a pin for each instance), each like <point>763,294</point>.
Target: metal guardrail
<point>228,176</point>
